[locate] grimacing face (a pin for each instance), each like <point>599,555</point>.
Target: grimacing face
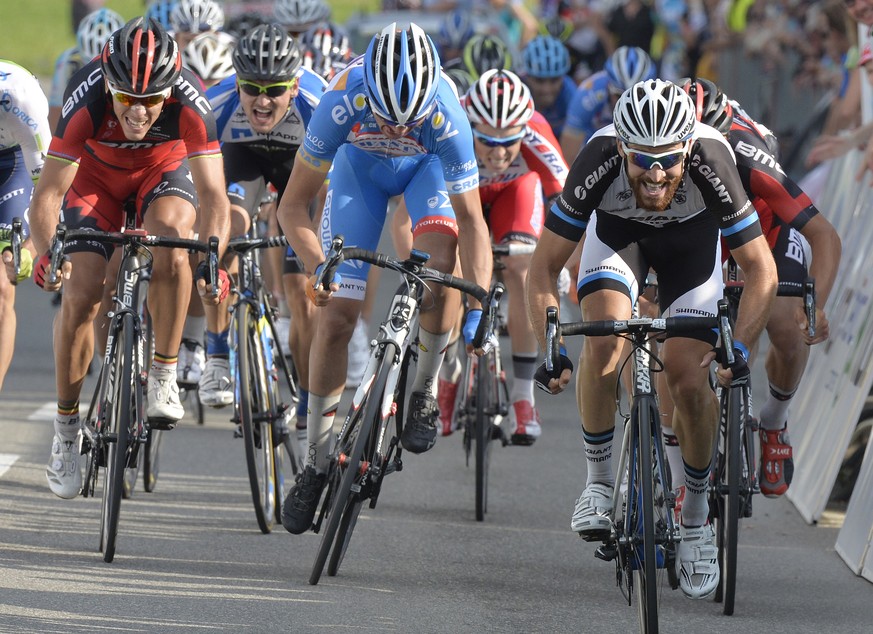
<point>653,188</point>
<point>263,112</point>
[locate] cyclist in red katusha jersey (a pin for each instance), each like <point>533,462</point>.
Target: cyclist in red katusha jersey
<point>134,127</point>
<point>520,167</point>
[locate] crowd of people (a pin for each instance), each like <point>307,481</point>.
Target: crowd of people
<point>578,131</point>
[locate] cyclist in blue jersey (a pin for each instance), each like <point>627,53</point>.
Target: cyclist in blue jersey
<point>591,107</point>
<point>389,124</point>
<point>262,112</point>
<point>545,64</point>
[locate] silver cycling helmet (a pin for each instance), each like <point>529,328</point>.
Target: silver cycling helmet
<point>196,16</point>
<point>654,113</point>
<point>94,30</point>
<point>267,53</point>
<point>209,56</point>
<point>299,15</point>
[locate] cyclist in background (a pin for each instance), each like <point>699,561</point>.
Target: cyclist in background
<point>263,112</point>
<point>94,29</point>
<point>545,64</point>
<point>189,18</point>
<point>388,124</point>
<point>803,243</point>
<point>484,52</point>
<point>135,128</point>
<point>592,105</point>
<point>209,57</point>
<point>456,29</point>
<point>684,190</point>
<point>298,16</point>
<point>24,139</point>
<point>520,167</point>
<point>326,49</point>
<point>160,10</point>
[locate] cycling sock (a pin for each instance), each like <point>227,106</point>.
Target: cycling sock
<point>302,407</point>
<point>67,421</point>
<point>774,412</point>
<point>695,508</point>
<point>524,365</point>
<point>194,328</point>
<point>164,364</point>
<point>598,455</point>
<point>452,367</point>
<point>217,344</point>
<point>319,424</point>
<point>674,457</point>
<point>431,349</point>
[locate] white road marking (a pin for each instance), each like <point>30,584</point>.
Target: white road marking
<point>46,412</point>
<point>6,461</point>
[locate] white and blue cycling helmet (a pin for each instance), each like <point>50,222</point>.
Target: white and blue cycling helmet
<point>545,57</point>
<point>94,29</point>
<point>401,74</point>
<point>160,10</point>
<point>455,30</point>
<point>627,66</point>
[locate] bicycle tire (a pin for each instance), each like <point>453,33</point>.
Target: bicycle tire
<point>117,450</point>
<point>483,391</point>
<point>646,561</point>
<point>730,475</point>
<point>257,436</point>
<point>357,435</point>
<point>344,535</point>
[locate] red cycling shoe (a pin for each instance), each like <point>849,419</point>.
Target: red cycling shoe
<point>777,462</point>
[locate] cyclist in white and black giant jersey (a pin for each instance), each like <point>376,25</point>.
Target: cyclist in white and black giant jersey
<point>24,139</point>
<point>262,112</point>
<point>653,190</point>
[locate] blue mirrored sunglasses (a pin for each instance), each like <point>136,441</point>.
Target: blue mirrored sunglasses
<point>647,161</point>
<point>493,141</point>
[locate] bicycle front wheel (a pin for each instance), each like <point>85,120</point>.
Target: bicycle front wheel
<point>642,516</point>
<point>252,409</point>
<point>484,396</point>
<point>120,412</point>
<point>729,469</point>
<point>346,468</point>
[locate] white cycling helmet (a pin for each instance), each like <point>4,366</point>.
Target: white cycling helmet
<point>654,113</point>
<point>209,55</point>
<point>299,15</point>
<point>94,30</point>
<point>627,66</point>
<point>401,74</point>
<point>196,16</point>
<point>500,99</point>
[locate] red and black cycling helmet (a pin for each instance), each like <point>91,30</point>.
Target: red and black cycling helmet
<point>141,58</point>
<point>710,103</point>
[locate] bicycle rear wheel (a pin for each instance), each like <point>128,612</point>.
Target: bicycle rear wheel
<point>642,518</point>
<point>485,397</point>
<point>252,410</point>
<point>120,413</point>
<point>729,469</point>
<point>346,467</point>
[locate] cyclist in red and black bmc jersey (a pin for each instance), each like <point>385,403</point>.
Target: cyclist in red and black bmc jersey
<point>134,127</point>
<point>520,166</point>
<point>803,243</point>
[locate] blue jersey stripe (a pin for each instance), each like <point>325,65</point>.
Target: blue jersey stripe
<point>742,224</point>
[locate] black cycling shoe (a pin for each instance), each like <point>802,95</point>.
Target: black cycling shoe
<point>420,432</point>
<point>300,505</point>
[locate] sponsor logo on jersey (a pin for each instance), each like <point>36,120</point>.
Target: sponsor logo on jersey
<point>95,76</point>
<point>709,174</point>
<point>341,112</point>
<point>17,112</point>
<point>758,155</point>
<point>193,94</point>
<point>449,133</point>
<point>438,120</point>
<point>465,185</point>
<point>594,177</point>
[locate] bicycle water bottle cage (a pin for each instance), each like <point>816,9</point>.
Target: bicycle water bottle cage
<point>419,257</point>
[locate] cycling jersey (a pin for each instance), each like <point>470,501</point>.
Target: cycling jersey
<point>113,169</point>
<point>556,114</point>
<point>435,160</point>
<point>68,64</point>
<point>24,138</point>
<point>589,108</point>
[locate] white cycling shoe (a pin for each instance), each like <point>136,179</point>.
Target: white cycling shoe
<point>593,508</point>
<point>697,561</point>
<point>64,474</point>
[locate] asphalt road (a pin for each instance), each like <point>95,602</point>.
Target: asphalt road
<point>190,557</point>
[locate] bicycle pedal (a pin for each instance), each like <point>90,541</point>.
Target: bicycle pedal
<point>238,432</point>
<point>163,424</point>
<point>606,552</point>
<point>595,536</point>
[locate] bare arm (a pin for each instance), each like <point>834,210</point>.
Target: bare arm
<point>474,239</point>
<point>303,185</point>
<point>826,252</point>
<point>208,175</point>
<point>45,206</point>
